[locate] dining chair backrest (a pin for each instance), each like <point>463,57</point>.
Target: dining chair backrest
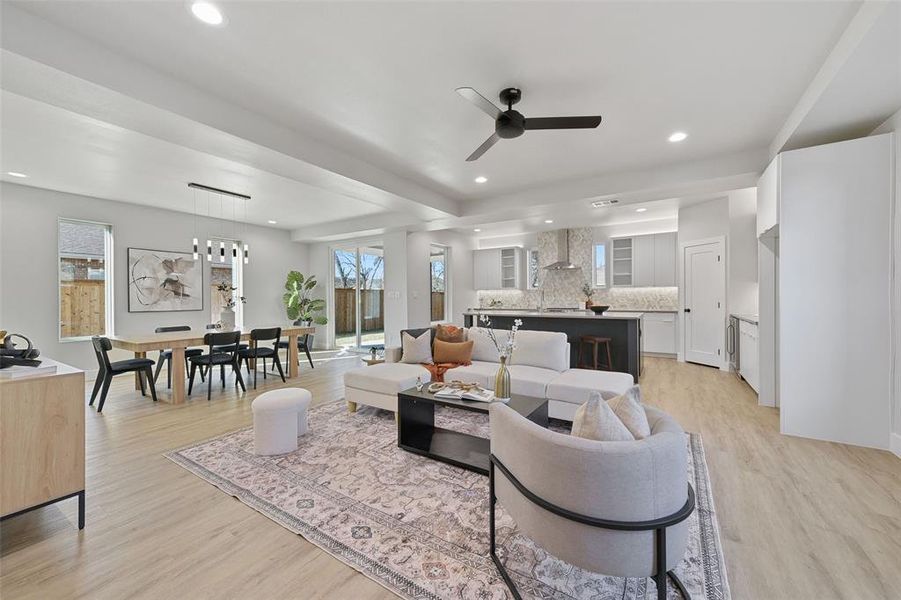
<point>102,345</point>
<point>172,328</point>
<point>264,335</point>
<point>223,338</point>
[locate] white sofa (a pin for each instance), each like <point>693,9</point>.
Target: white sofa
<point>539,367</point>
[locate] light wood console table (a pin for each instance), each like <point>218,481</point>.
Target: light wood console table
<point>42,441</point>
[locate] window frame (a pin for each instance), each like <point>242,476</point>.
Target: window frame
<point>446,318</point>
<point>108,284</point>
<point>594,265</point>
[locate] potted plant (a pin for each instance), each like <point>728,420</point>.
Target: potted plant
<point>589,292</point>
<point>227,316</point>
<point>300,305</point>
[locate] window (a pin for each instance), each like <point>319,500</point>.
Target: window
<point>438,278</point>
<point>226,269</point>
<point>85,292</point>
<point>533,269</point>
<point>600,265</point>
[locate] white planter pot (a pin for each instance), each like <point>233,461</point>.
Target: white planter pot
<point>227,318</point>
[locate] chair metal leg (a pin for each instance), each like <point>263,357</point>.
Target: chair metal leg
<point>143,385</point>
<point>151,383</point>
<point>239,378</point>
<point>660,571</point>
<point>492,539</point>
<point>97,383</point>
<point>81,508</point>
<point>107,379</point>
<point>159,367</point>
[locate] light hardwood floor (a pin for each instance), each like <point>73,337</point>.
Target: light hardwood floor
<point>799,518</point>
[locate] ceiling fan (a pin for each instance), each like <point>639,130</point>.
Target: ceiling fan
<point>511,123</point>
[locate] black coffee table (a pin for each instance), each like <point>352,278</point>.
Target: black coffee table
<point>416,431</point>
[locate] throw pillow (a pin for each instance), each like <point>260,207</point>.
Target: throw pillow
<point>629,410</point>
<point>453,352</point>
<point>449,333</point>
<point>418,349</point>
<point>595,420</point>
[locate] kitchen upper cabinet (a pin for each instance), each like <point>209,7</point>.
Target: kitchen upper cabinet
<point>645,260</point>
<point>497,269</point>
<point>768,199</point>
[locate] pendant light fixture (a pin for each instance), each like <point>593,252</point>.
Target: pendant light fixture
<point>209,243</point>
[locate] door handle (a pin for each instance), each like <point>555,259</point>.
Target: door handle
<point>687,310</point>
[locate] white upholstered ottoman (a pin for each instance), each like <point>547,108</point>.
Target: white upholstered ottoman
<point>379,384</point>
<point>279,417</point>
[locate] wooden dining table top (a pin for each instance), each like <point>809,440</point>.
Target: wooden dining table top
<point>142,342</point>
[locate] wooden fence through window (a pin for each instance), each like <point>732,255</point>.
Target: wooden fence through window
<point>82,308</point>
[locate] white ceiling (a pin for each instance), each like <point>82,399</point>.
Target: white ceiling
<point>342,117</point>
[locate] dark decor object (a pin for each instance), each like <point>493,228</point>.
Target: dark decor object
<point>511,123</point>
<point>161,281</point>
<point>142,366</point>
<point>11,355</point>
<point>599,309</point>
<point>416,431</point>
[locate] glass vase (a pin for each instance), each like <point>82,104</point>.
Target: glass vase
<point>502,381</point>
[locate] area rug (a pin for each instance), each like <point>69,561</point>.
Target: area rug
<point>420,527</point>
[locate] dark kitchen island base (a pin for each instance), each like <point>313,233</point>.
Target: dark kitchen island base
<point>624,332</point>
<point>416,431</point>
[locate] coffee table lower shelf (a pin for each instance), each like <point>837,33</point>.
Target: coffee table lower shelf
<point>416,431</point>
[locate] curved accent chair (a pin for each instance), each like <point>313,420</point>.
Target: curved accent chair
<point>617,508</point>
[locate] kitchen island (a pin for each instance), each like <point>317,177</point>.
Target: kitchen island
<point>623,329</point>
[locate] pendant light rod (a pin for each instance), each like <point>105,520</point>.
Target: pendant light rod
<point>200,186</point>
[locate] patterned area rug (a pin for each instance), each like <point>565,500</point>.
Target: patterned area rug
<point>420,527</point>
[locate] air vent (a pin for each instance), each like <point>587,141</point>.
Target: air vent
<point>600,203</point>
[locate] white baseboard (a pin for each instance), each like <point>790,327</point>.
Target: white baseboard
<point>895,444</point>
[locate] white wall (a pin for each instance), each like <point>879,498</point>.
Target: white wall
<point>28,255</point>
<point>462,295</point>
<point>893,124</point>
<point>742,252</point>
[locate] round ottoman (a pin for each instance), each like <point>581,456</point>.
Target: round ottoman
<point>279,417</point>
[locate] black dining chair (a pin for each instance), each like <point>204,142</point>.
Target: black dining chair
<point>142,366</point>
<point>257,352</point>
<point>166,356</point>
<point>241,345</point>
<point>303,345</point>
<point>229,342</point>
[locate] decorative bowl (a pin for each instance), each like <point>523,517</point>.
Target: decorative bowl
<point>599,310</point>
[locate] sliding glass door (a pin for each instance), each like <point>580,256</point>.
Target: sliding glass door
<point>359,297</point>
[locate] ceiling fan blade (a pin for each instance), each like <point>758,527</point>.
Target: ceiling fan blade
<point>480,101</point>
<point>563,123</point>
<point>484,147</point>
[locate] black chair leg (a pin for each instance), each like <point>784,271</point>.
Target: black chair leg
<point>97,383</point>
<point>202,375</point>
<point>309,358</point>
<point>151,383</point>
<point>191,377</point>
<point>222,375</point>
<point>264,367</point>
<point>209,383</point>
<point>238,377</point>
<point>169,373</point>
<point>140,375</point>
<point>246,364</point>
<point>107,379</point>
<point>278,365</point>
<point>159,367</point>
<point>254,377</point>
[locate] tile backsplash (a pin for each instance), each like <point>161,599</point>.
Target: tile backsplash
<point>563,289</point>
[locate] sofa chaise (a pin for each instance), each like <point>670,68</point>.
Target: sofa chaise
<point>539,367</point>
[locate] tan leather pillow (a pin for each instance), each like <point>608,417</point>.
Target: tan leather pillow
<point>453,352</point>
<point>449,333</point>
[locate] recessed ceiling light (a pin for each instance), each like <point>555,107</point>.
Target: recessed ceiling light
<point>477,230</point>
<point>271,222</point>
<point>481,179</point>
<point>640,209</point>
<point>678,136</point>
<point>16,174</point>
<point>207,12</point>
<point>548,221</point>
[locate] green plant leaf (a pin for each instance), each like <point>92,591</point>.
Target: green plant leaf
<point>293,313</point>
<point>320,320</point>
<point>317,305</point>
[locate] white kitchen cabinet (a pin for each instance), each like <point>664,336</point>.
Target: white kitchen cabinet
<point>497,269</point>
<point>748,354</point>
<point>658,332</point>
<point>665,259</point>
<point>645,260</point>
<point>768,199</point>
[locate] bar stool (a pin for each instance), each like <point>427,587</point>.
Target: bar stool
<point>594,341</point>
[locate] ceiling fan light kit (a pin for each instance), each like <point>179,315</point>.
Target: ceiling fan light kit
<point>509,124</point>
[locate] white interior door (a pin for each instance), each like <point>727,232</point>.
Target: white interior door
<point>704,284</point>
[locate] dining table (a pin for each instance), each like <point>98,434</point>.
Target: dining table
<point>179,341</point>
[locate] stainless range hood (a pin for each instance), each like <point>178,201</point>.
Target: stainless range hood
<point>563,263</point>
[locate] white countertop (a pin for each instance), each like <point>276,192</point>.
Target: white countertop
<point>578,314</point>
